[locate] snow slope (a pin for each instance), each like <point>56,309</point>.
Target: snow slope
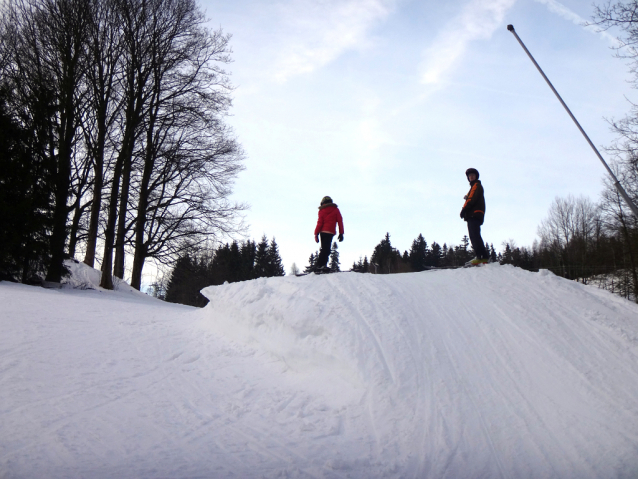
<point>482,373</point>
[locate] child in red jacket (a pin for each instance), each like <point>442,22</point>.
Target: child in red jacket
<point>329,217</point>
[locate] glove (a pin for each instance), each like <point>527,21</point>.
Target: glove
<point>317,238</point>
<point>463,213</point>
<point>341,237</point>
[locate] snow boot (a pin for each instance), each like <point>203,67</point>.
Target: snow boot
<point>476,262</point>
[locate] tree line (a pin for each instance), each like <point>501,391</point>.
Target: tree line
<point>386,259</point>
<point>227,263</point>
<point>581,240</point>
<point>589,242</point>
<point>113,141</point>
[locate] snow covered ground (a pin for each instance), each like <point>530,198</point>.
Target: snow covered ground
<point>482,373</point>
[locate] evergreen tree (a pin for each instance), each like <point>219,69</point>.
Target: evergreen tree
<point>219,267</point>
<point>507,255</point>
<point>275,266</point>
<point>361,266</point>
<point>334,259</point>
<point>464,251</point>
<point>356,265</point>
<point>311,263</point>
<point>493,258</point>
<point>188,278</point>
<point>26,207</point>
<point>261,259</point>
<point>235,264</point>
<point>435,254</point>
<point>385,256</point>
<point>418,254</point>
<point>248,253</point>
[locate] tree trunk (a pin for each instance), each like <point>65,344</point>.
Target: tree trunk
<point>75,226</point>
<point>58,234</point>
<point>89,257</point>
<point>118,266</point>
<point>142,205</point>
<point>106,281</point>
<point>62,174</point>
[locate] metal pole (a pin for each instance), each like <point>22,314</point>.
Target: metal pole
<point>617,184</point>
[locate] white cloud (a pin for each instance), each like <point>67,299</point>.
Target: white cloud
<point>560,9</point>
<point>478,20</point>
<point>317,32</point>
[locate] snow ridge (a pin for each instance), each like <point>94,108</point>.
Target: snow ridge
<point>480,373</point>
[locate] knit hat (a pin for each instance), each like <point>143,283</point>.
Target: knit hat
<point>325,200</point>
<point>472,170</point>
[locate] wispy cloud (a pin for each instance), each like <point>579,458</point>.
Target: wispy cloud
<point>478,20</point>
<point>316,33</point>
<point>560,9</point>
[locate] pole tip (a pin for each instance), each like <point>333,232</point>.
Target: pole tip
<point>510,28</point>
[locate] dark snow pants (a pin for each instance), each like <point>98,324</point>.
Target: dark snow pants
<point>474,231</point>
<point>324,254</point>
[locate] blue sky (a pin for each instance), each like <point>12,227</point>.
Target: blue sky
<point>383,105</point>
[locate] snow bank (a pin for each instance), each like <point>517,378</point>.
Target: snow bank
<point>487,372</point>
<point>84,277</point>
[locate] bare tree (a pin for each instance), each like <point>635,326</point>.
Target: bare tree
<point>178,159</point>
<point>137,34</point>
<point>568,231</point>
<point>104,77</point>
<point>622,225</point>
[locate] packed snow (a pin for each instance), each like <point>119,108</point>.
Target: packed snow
<point>490,372</point>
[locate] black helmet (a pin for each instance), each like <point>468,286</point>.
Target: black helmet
<point>325,200</point>
<point>472,170</point>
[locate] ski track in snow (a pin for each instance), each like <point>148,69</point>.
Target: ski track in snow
<point>491,372</point>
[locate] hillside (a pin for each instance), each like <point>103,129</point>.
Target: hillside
<point>480,373</point>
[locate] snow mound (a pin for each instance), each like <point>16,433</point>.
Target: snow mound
<point>481,373</point>
<point>84,277</point>
<point>488,372</point>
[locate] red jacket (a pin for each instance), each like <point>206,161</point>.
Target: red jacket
<point>329,216</point>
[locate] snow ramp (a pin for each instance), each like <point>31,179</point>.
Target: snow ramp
<point>490,372</point>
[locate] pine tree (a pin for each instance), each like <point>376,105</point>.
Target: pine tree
<point>435,254</point>
<point>492,251</point>
<point>464,250</point>
<point>187,280</point>
<point>418,254</point>
<point>334,259</point>
<point>361,266</point>
<point>275,266</point>
<point>357,265</point>
<point>311,263</point>
<point>248,252</point>
<point>507,255</point>
<point>385,256</point>
<point>261,268</point>
<point>26,207</point>
<point>234,264</point>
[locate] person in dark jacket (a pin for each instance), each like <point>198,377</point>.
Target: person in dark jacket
<point>326,229</point>
<point>474,213</point>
